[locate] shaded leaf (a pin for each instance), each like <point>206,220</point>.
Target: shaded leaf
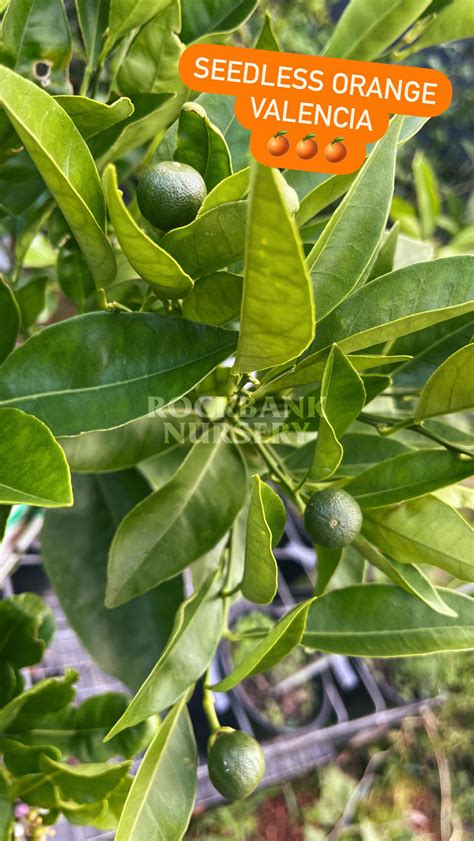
<point>91,116</point>
<point>450,388</point>
<point>265,527</point>
<point>203,17</point>
<point>151,63</point>
<point>26,627</point>
<point>125,16</point>
<point>35,31</point>
<point>216,299</point>
<point>201,144</point>
<point>9,320</point>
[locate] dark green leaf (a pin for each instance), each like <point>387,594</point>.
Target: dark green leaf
<point>327,563</point>
<point>165,357</point>
<point>265,526</point>
<point>47,696</point>
<point>202,17</point>
<point>9,320</point>
<point>37,32</point>
<point>380,620</point>
<point>6,811</point>
<point>216,299</point>
<point>74,275</point>
<point>33,467</point>
<point>24,759</point>
<point>30,296</point>
<point>197,630</point>
<point>75,546</point>
<point>162,796</point>
<point>84,783</point>
<point>26,627</point>
<point>93,19</point>
<point>178,523</point>
<point>202,145</point>
<point>92,721</point>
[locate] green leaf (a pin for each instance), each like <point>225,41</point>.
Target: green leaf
<point>33,467</point>
<point>148,259</point>
<point>110,816</point>
<point>336,268</point>
<point>125,16</point>
<point>265,527</point>
<point>84,783</point>
<point>277,288</point>
<point>93,20</point>
<point>323,195</point>
<point>386,254</point>
<point>362,450</point>
<point>6,811</point>
<point>9,320</point>
<point>75,546</point>
<point>221,110</point>
<point>407,576</point>
<point>21,186</point>
<point>73,274</point>
<point>47,696</point>
<point>341,401</point>
<point>91,117</point>
<point>282,639</point>
<point>215,299</point>
<point>169,357</point>
<point>423,531</point>
<point>151,63</point>
<point>430,348</point>
<point>407,476</point>
<point>203,17</point>
<point>454,22</point>
<point>52,141</point>
<point>30,297</point>
<point>197,630</point>
<point>162,796</point>
<point>202,145</point>
<point>267,40</point>
<point>311,369</point>
<point>449,389</point>
<point>215,240</point>
<point>93,719</point>
<point>24,759</point>
<point>381,620</point>
<point>26,627</point>
<point>427,194</point>
<point>178,523</point>
<point>368,27</point>
<point>128,445</point>
<point>426,293</point>
<point>233,188</point>
<point>37,32</point>
<point>327,563</point>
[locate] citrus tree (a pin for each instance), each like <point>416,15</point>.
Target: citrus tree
<point>203,345</point>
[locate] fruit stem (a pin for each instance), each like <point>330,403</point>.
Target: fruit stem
<point>209,706</point>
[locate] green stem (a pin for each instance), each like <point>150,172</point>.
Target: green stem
<point>379,423</point>
<point>209,706</point>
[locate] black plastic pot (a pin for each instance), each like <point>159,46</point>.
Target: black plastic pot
<point>240,695</point>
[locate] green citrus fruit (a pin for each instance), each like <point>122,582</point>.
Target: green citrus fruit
<point>332,518</point>
<point>236,763</point>
<point>170,194</point>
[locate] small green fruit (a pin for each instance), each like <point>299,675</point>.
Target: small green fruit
<point>236,763</point>
<point>332,518</point>
<point>170,194</point>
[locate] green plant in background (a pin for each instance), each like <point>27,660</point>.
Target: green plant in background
<point>189,380</point>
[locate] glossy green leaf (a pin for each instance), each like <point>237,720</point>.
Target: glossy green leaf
<point>148,259</point>
<point>26,627</point>
<point>93,719</point>
<point>368,27</point>
<point>47,696</point>
<point>216,299</point>
<point>202,145</point>
<point>221,111</point>
<point>6,811</point>
<point>151,63</point>
<point>66,165</point>
<point>454,22</point>
<point>335,267</point>
<point>125,16</point>
<point>341,401</point>
<point>203,17</point>
<point>85,783</point>
<point>73,274</point>
<point>233,188</point>
<point>165,357</point>
<point>265,526</point>
<point>327,563</point>
<point>276,284</point>
<point>197,630</point>
<point>75,546</point>
<point>9,320</point>
<point>426,293</point>
<point>162,796</point>
<point>33,467</point>
<point>178,523</point>
<point>380,620</point>
<point>267,40</point>
<point>423,531</point>
<point>384,262</point>
<point>280,640</point>
<point>37,32</point>
<point>91,117</point>
<point>427,194</point>
<point>450,388</point>
<point>430,348</point>
<point>323,195</point>
<point>93,19</point>
<point>407,476</point>
<point>407,576</point>
<point>153,113</point>
<point>128,445</point>
<point>214,240</point>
